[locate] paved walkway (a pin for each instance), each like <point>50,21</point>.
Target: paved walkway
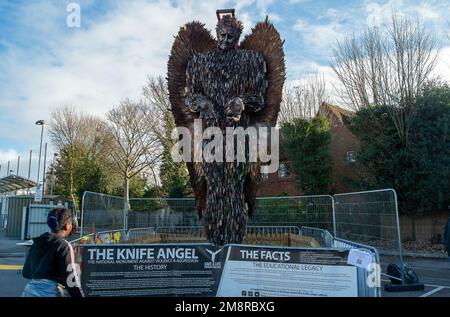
<point>9,248</point>
<point>12,258</point>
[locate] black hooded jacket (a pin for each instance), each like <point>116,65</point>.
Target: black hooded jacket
<point>49,258</point>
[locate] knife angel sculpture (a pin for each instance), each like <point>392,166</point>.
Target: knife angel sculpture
<point>223,84</point>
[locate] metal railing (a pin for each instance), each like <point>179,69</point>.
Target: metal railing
<point>198,230</point>
<point>370,218</point>
<point>313,211</point>
<point>322,236</point>
<point>103,212</point>
<point>100,212</point>
<point>136,233</point>
<point>363,274</point>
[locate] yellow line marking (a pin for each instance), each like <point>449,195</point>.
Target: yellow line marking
<point>11,267</point>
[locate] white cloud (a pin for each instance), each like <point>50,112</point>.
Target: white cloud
<point>7,155</point>
<point>25,166</point>
<point>443,64</point>
<point>380,13</point>
<point>426,12</point>
<point>332,13</point>
<point>320,37</point>
<point>258,9</point>
<point>275,17</point>
<point>430,11</point>
<point>308,68</point>
<point>92,68</point>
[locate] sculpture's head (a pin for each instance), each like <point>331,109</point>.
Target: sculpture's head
<point>228,31</point>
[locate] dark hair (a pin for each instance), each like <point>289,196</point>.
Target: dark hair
<point>58,218</point>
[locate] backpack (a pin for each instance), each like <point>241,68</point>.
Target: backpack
<point>394,271</point>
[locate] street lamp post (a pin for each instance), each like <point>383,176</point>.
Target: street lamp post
<point>29,169</point>
<point>43,175</point>
<point>41,123</point>
<point>53,173</point>
<point>18,165</point>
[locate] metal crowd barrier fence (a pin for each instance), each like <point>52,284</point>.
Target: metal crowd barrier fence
<point>136,233</point>
<point>86,239</point>
<point>100,212</point>
<point>313,211</point>
<point>198,230</point>
<point>110,236</point>
<point>322,236</point>
<point>370,218</point>
<point>103,212</point>
<point>364,275</point>
<point>273,230</point>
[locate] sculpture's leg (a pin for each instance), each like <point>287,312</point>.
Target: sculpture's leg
<point>225,215</point>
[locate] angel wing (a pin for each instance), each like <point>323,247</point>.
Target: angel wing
<point>266,40</point>
<point>191,38</point>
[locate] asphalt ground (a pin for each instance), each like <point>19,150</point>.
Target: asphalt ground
<point>434,273</point>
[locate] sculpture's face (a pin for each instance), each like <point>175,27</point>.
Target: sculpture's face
<point>227,38</point>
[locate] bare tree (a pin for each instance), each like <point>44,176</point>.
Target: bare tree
<point>135,147</point>
<point>158,112</point>
<point>386,66</point>
<point>303,101</point>
<point>160,117</point>
<point>72,132</point>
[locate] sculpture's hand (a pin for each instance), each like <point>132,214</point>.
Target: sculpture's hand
<point>253,103</point>
<point>200,104</point>
<point>233,109</point>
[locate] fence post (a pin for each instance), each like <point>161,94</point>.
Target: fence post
<point>399,241</point>
<point>334,216</point>
<point>83,199</point>
<point>125,215</point>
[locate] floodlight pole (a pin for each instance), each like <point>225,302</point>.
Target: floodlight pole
<point>43,175</point>
<point>41,123</point>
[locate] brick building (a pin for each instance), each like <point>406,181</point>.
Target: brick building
<point>343,148</point>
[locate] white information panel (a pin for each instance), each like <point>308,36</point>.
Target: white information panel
<point>263,271</point>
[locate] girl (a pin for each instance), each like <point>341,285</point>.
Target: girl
<point>50,264</point>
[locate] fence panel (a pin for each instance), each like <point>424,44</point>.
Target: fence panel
<point>102,212</point>
<point>370,218</point>
<point>311,211</point>
<point>159,212</point>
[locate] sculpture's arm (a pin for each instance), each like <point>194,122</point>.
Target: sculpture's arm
<point>195,100</point>
<point>253,97</point>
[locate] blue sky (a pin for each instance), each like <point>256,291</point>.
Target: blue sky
<point>45,65</point>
